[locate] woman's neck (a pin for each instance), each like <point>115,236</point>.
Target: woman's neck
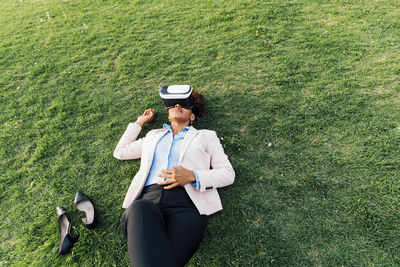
<point>177,126</point>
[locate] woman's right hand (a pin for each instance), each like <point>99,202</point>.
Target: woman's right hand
<point>146,117</point>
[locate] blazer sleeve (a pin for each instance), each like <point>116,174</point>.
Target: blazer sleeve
<point>128,147</point>
<point>221,172</point>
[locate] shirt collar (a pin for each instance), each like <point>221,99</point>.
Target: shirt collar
<point>168,127</point>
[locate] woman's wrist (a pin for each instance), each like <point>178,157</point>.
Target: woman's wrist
<point>140,123</point>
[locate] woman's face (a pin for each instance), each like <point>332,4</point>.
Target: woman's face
<point>180,115</point>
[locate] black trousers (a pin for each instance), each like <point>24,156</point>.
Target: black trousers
<point>163,228</point>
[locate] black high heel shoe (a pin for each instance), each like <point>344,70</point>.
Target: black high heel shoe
<point>84,204</point>
<point>66,240</point>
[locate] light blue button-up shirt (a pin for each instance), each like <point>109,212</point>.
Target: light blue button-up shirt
<point>166,155</point>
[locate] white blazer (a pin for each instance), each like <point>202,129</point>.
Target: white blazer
<point>201,151</point>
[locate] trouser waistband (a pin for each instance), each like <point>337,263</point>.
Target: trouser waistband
<point>150,188</point>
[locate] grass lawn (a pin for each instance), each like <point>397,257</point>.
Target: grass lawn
<point>305,96</point>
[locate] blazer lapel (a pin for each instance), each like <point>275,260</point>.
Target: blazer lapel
<point>188,138</point>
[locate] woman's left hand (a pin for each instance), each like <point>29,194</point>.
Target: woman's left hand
<point>176,176</point>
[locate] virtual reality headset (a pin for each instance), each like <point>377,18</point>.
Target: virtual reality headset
<point>177,94</point>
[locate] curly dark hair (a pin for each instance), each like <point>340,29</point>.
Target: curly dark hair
<point>199,102</point>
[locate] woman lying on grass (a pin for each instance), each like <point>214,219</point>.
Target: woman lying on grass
<point>176,186</point>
